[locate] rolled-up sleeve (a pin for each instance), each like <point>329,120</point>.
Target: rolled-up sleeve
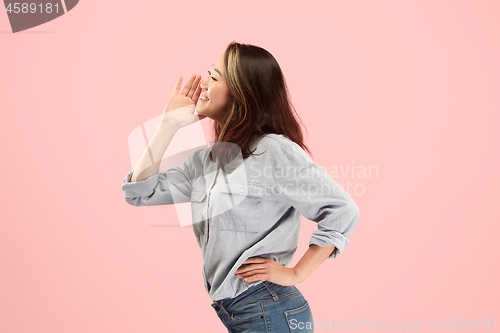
<point>313,192</point>
<point>163,188</point>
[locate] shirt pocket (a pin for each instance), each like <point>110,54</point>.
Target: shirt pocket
<point>198,207</point>
<point>241,207</point>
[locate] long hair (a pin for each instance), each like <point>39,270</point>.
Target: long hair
<point>259,102</point>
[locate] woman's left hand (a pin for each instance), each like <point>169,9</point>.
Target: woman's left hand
<point>267,269</point>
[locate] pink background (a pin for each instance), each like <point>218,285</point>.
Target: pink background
<point>409,87</point>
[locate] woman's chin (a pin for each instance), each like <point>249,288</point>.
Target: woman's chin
<point>202,114</point>
<point>198,108</point>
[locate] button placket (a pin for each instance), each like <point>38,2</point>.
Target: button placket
<point>214,181</point>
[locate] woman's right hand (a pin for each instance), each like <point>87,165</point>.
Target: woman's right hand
<point>181,106</point>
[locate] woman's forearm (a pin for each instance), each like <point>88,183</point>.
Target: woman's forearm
<point>311,260</point>
<point>150,161</point>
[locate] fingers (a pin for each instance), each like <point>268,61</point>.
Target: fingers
<point>188,85</point>
<point>197,92</point>
<point>250,268</point>
<point>194,86</point>
<point>192,89</point>
<point>256,277</point>
<point>178,85</point>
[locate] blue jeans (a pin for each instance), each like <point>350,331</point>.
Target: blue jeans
<point>267,307</point>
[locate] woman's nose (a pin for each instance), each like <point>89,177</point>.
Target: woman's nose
<point>204,84</point>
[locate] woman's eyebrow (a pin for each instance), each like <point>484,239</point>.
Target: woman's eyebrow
<point>215,69</point>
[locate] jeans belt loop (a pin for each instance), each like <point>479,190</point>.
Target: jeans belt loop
<point>275,296</point>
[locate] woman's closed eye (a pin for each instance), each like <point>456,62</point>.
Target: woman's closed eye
<point>210,74</point>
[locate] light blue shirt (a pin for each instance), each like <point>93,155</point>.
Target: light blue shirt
<point>253,210</point>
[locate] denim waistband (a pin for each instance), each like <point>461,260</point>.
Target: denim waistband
<point>252,293</point>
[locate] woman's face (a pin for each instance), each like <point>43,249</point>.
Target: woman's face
<point>214,92</point>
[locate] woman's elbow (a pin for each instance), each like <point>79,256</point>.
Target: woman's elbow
<point>135,201</point>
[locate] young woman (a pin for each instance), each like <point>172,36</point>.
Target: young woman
<point>247,202</point>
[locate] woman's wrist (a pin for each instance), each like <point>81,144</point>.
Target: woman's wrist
<point>298,278</point>
<point>168,124</point>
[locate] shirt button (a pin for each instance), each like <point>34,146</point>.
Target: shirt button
<point>242,190</point>
<point>217,308</point>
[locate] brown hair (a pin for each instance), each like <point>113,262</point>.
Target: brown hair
<point>259,101</point>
